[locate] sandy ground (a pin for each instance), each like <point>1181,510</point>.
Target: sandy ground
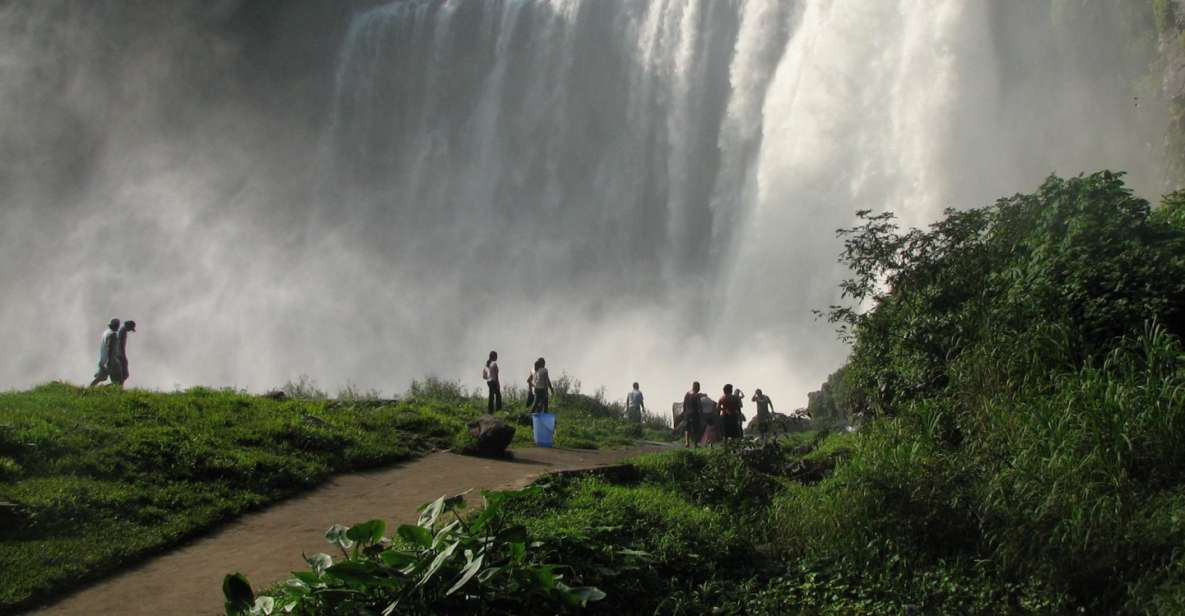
<point>266,546</point>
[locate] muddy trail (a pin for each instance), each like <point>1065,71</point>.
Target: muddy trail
<point>267,545</point>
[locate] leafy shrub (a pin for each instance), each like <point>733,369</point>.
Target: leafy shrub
<point>304,388</point>
<point>444,563</point>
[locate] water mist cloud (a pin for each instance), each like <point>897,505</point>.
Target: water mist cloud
<point>373,192</point>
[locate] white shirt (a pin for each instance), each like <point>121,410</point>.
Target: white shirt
<point>492,372</point>
<point>633,399</point>
<point>105,345</point>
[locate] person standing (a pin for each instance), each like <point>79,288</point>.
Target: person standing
<point>693,419</point>
<point>541,383</point>
<point>109,355</point>
<point>765,408</point>
<point>128,326</point>
<point>730,413</point>
<point>635,404</point>
<point>490,374</point>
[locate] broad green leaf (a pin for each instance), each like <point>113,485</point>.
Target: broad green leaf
<point>415,535</point>
<point>514,534</point>
<point>239,596</point>
<point>467,573</point>
<point>307,577</point>
<point>517,552</point>
<point>546,578</point>
<point>395,558</point>
<point>580,595</point>
<point>367,533</point>
<point>353,572</point>
<point>438,562</point>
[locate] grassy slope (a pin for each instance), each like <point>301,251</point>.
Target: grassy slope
<point>102,477</point>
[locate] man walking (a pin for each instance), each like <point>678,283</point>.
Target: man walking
<point>634,406</point>
<point>109,355</point>
<point>128,326</point>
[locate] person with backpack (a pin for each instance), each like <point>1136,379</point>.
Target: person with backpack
<point>490,374</point>
<point>109,355</point>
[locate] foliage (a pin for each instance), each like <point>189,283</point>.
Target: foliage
<point>1081,253</point>
<point>444,563</point>
<point>838,402</point>
<point>304,388</point>
<point>1026,361</point>
<point>95,479</point>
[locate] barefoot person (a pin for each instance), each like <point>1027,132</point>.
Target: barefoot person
<point>122,335</point>
<point>692,417</point>
<point>109,355</point>
<point>634,405</point>
<point>490,374</point>
<point>541,383</point>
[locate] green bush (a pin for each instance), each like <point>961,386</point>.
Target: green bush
<point>446,563</point>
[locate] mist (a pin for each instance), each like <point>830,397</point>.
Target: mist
<point>370,193</point>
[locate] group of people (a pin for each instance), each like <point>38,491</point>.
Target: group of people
<point>539,387</point>
<point>702,420</point>
<point>113,353</point>
<point>706,422</point>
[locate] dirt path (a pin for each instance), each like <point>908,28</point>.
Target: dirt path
<point>266,546</point>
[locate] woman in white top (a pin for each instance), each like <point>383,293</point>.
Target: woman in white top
<point>542,384</point>
<point>490,374</point>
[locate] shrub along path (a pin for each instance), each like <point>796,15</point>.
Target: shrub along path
<point>267,546</point>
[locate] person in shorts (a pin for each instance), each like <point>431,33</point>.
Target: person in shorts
<point>122,336</point>
<point>730,413</point>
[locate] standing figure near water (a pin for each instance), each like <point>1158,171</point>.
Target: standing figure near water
<point>109,355</point>
<point>765,408</point>
<point>692,418</point>
<point>490,374</point>
<point>730,413</point>
<point>541,384</point>
<point>122,335</point>
<point>634,405</point>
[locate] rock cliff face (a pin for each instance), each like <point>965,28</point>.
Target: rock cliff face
<point>1170,24</point>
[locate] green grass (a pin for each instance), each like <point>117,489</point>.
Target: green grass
<point>101,478</point>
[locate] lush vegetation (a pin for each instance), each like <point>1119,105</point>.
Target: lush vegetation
<point>93,479</point>
<point>1022,379</point>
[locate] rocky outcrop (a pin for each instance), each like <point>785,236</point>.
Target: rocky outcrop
<point>491,435</point>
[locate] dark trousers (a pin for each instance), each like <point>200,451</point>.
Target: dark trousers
<point>495,396</point>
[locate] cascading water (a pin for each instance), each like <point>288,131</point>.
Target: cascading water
<point>637,190</point>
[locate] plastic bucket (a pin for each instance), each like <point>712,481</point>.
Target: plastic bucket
<point>544,424</point>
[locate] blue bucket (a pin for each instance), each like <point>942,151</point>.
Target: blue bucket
<point>544,424</point>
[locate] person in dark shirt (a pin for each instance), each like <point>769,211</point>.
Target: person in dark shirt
<point>692,418</point>
<point>128,326</point>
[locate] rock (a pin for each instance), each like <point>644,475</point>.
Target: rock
<point>493,435</point>
<point>275,395</point>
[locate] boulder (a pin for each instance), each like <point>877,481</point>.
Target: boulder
<point>492,435</point>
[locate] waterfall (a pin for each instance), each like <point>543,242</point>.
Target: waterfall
<point>636,189</point>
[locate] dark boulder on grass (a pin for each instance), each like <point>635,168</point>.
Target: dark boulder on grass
<point>491,436</point>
